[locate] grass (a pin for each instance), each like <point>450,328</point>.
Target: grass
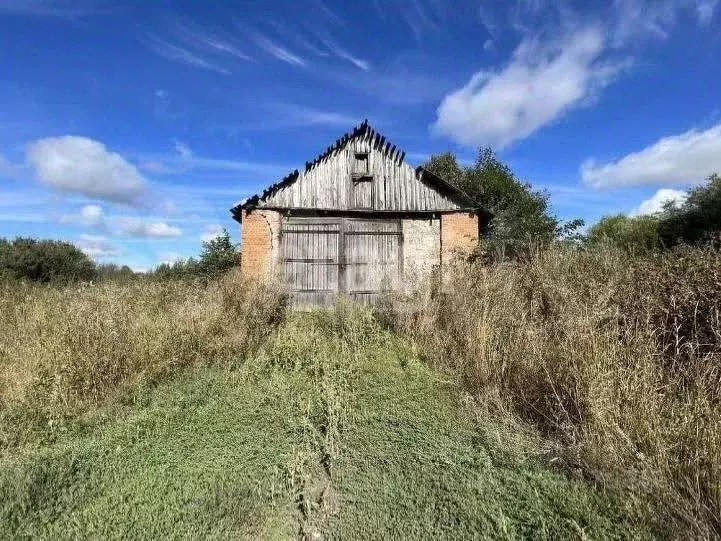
<point>334,427</point>
<point>616,360</point>
<point>575,394</point>
<point>64,350</point>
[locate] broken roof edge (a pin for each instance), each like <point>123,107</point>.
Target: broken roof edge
<point>380,143</point>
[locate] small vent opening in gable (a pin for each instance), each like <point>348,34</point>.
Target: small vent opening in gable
<point>361,165</point>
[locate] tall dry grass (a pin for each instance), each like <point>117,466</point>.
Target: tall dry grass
<point>616,360</point>
<point>61,347</point>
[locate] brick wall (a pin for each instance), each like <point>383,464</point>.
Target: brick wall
<point>459,234</point>
<point>259,243</point>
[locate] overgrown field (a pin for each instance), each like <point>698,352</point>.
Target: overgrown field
<point>616,360</point>
<point>573,395</point>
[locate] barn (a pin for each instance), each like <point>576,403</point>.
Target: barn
<point>356,220</point>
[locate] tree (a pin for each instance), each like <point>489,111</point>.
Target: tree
<point>635,235</point>
<point>521,215</point>
<point>116,273</point>
<point>698,219</point>
<point>45,261</point>
<point>218,255</point>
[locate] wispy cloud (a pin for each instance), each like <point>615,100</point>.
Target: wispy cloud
<point>298,115</point>
<point>49,8</point>
<point>329,13</point>
<point>418,18</point>
<point>343,54</point>
<point>488,20</point>
<point>278,51</point>
<point>638,19</point>
<point>184,159</point>
<point>182,55</point>
<point>193,34</point>
<point>705,10</point>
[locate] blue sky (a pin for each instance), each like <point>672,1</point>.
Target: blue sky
<point>130,128</point>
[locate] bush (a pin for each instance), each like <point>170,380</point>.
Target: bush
<point>635,235</point>
<point>615,360</point>
<point>44,261</point>
<point>218,257</point>
<point>698,219</point>
<point>116,273</point>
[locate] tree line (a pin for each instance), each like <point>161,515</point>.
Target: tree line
<point>522,220</point>
<point>55,261</point>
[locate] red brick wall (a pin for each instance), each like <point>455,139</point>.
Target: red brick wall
<point>459,234</point>
<point>259,243</point>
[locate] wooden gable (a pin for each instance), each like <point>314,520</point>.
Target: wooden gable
<point>361,172</point>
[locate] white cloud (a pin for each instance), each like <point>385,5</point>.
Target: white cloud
<point>182,55</point>
<point>656,202</point>
<point>637,19</point>
<point>97,247</point>
<point>679,159</point>
<point>92,215</point>
<point>198,37</point>
<point>343,54</point>
<point>138,227</point>
<point>89,216</point>
<point>80,165</point>
<point>540,84</point>
<point>211,231</point>
<point>278,51</point>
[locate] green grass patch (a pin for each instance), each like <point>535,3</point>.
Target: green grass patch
<point>333,428</point>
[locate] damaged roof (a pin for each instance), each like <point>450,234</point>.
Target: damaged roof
<point>377,142</point>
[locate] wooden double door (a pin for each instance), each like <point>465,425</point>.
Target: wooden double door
<point>357,257</point>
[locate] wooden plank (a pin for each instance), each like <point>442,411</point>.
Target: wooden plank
<point>325,183</point>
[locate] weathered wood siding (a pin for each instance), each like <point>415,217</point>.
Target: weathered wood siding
<point>321,257</point>
<point>372,257</point>
<point>335,183</point>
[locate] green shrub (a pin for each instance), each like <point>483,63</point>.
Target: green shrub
<point>217,257</point>
<point>44,261</point>
<point>698,219</point>
<point>635,235</point>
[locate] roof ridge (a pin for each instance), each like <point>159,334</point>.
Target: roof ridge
<point>363,129</point>
<point>377,141</point>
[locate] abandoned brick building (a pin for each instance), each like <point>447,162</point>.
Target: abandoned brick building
<point>356,220</point>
